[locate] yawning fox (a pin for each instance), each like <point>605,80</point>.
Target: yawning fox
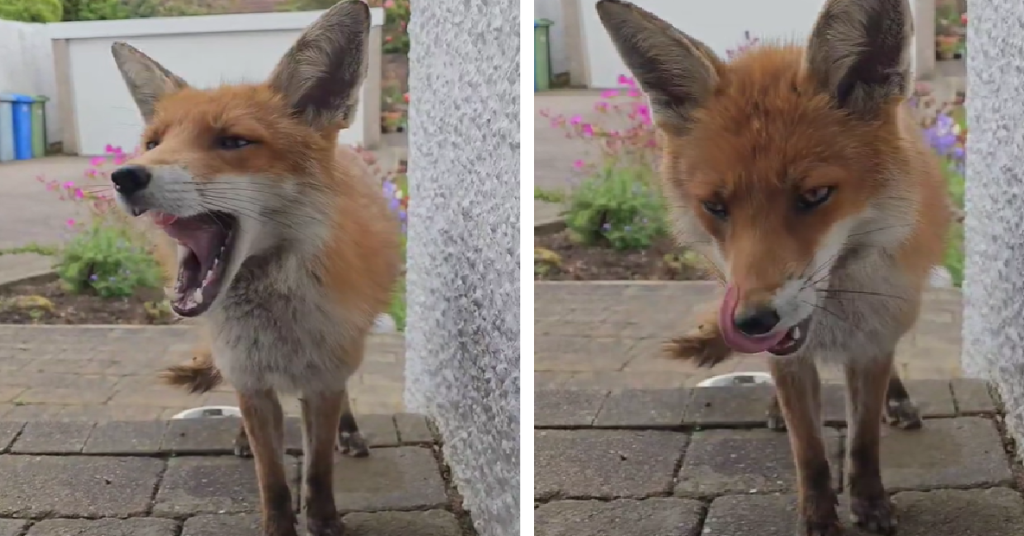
<point>802,175</point>
<point>284,246</point>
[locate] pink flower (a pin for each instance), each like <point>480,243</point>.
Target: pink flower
<point>578,165</point>
<point>634,93</point>
<point>109,148</point>
<point>97,161</point>
<point>79,194</point>
<point>626,81</point>
<point>69,185</point>
<point>609,93</point>
<point>587,130</point>
<point>389,4</point>
<point>71,223</point>
<point>575,120</point>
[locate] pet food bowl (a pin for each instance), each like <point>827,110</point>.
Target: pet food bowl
<point>209,411</point>
<point>737,378</point>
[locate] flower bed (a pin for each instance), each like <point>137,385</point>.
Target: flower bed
<point>106,273</point>
<point>616,221</point>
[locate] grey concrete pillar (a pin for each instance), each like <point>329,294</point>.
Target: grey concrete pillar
<point>462,338</point>
<point>994,286</point>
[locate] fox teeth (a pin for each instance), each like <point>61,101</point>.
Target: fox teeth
<point>796,333</point>
<point>208,278</point>
<point>197,296</point>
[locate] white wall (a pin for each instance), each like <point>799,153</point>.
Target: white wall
<point>206,51</point>
<point>26,66</point>
<point>719,24</point>
<point>552,10</point>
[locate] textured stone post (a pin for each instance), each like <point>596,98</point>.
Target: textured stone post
<point>462,339</point>
<point>994,287</point>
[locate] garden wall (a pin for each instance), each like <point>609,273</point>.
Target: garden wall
<point>26,66</point>
<point>721,25</point>
<point>206,51</point>
<point>462,332</point>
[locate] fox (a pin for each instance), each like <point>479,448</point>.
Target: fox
<point>285,248</point>
<point>798,170</point>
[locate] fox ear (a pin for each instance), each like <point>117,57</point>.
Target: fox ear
<point>320,76</point>
<point>676,71</point>
<point>147,80</point>
<point>859,53</point>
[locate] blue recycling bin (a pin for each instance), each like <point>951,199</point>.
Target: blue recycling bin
<point>6,128</point>
<point>22,122</point>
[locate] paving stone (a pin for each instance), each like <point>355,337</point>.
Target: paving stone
<point>429,523</point>
<point>961,452</point>
<point>987,512</point>
<point>413,428</point>
<point>126,437</point>
<point>105,527</point>
<point>657,516</point>
<point>8,431</point>
<point>752,515</point>
<point>379,430</point>
<point>211,435</point>
<point>720,462</point>
<point>567,407</point>
<point>833,404</point>
<point>76,486</point>
<point>973,397</point>
<point>402,478</point>
<point>645,408</point>
<point>576,464</point>
<point>934,398</point>
<point>12,527</point>
<point>729,406</point>
<point>222,525</point>
<point>213,485</point>
<point>48,437</point>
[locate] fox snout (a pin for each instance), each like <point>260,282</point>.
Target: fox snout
<point>129,181</point>
<point>756,318</point>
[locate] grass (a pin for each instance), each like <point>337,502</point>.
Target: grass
<point>954,258</point>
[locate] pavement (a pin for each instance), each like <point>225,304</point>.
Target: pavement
<point>179,478</point>
<point>688,462</point>
<point>608,334</point>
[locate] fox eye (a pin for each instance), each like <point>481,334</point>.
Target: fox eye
<point>230,143</point>
<point>150,145</point>
<point>814,198</point>
<point>716,209</point>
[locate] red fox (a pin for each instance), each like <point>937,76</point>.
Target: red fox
<point>802,175</point>
<point>284,246</point>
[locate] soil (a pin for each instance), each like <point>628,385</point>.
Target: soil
<point>663,261</point>
<point>46,302</point>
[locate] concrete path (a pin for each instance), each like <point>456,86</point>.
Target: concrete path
<point>103,373</point>
<point>680,462</point>
<point>180,479</point>
<point>608,335</point>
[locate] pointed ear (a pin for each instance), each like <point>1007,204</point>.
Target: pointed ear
<point>859,53</point>
<point>321,75</point>
<point>676,71</point>
<point>147,80</point>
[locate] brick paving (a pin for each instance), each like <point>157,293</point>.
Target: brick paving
<point>650,462</point>
<point>179,478</point>
<point>101,373</point>
<point>608,335</point>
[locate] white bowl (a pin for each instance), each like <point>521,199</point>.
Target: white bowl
<point>209,411</point>
<point>737,378</point>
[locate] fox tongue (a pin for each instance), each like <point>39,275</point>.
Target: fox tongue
<point>201,237</point>
<point>736,340</point>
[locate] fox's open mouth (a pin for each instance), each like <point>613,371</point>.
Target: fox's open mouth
<point>205,244</point>
<point>778,342</point>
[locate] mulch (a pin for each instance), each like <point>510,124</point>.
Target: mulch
<point>46,302</point>
<point>577,262</point>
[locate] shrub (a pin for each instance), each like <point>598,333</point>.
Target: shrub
<point>31,10</point>
<point>619,207</point>
<point>107,255</point>
<point>396,23</point>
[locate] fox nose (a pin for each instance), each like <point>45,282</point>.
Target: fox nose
<point>130,179</point>
<point>756,320</point>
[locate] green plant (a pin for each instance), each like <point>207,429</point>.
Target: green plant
<point>77,10</point>
<point>103,259</point>
<point>31,10</point>
<point>550,196</point>
<point>396,34</point>
<point>618,206</point>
